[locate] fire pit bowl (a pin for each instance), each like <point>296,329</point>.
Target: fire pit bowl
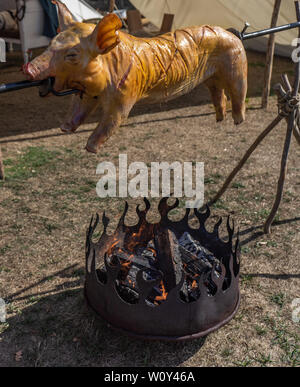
<point>165,281</point>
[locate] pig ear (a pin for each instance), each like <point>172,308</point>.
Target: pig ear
<point>65,18</point>
<point>105,36</point>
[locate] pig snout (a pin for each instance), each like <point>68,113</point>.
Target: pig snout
<point>30,71</point>
<point>39,68</point>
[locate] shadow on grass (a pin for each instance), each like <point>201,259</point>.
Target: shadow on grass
<point>54,110</point>
<point>61,273</point>
<point>258,234</point>
<point>60,330</point>
<point>60,133</point>
<point>273,276</point>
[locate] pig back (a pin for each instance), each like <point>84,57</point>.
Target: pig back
<point>174,63</point>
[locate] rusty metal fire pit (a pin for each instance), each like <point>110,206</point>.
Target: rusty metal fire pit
<point>165,281</point>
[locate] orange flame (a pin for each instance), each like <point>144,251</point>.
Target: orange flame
<point>194,284</point>
<point>109,251</point>
<point>135,239</point>
<point>164,294</point>
<point>152,250</point>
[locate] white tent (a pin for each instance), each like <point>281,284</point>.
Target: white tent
<point>226,13</point>
<point>81,10</point>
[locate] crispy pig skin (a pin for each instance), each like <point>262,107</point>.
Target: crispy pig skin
<point>114,70</point>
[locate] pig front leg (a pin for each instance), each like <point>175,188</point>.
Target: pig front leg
<point>110,121</point>
<point>103,131</point>
<point>80,108</point>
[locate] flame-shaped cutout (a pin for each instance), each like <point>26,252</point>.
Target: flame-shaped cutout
<point>92,268</point>
<point>142,213</point>
<point>186,215</point>
<point>217,226</point>
<point>174,293</point>
<point>202,217</point>
<point>215,292</point>
<point>236,255</point>
<point>105,222</point>
<point>112,269</point>
<point>89,234</point>
<point>218,280</point>
<point>121,223</point>
<point>230,230</point>
<point>183,221</point>
<point>201,284</point>
<point>164,208</point>
<point>93,224</point>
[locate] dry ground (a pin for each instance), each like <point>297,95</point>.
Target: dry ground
<point>49,196</point>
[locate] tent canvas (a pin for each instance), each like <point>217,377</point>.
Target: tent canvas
<point>81,10</point>
<point>226,13</point>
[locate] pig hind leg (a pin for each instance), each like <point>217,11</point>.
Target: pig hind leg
<point>218,98</point>
<point>235,76</point>
<point>237,91</point>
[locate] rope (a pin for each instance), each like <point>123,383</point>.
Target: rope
<point>287,104</point>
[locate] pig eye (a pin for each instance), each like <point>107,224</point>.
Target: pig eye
<point>71,56</point>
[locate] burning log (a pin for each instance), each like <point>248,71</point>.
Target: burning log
<point>169,261</point>
<point>163,256</point>
<point>131,264</point>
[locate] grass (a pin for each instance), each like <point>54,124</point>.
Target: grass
<point>245,249</point>
<point>238,185</point>
<point>246,278</point>
<point>260,330</point>
<point>288,343</point>
<point>220,204</point>
<point>246,362</point>
<point>278,299</point>
<point>227,352</point>
<point>30,162</point>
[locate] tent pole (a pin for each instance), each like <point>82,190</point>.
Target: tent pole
<point>111,6</point>
<point>269,57</point>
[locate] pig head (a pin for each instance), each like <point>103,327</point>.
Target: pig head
<point>114,70</point>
